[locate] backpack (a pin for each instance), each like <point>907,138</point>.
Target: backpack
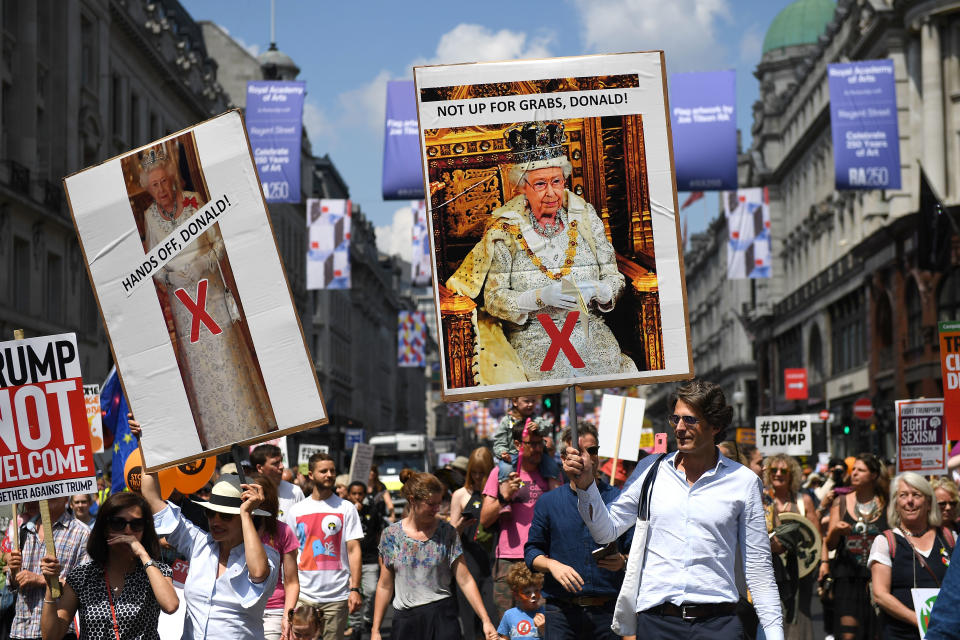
<point>892,543</point>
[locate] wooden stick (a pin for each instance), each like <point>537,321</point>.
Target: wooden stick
<point>52,582</point>
<point>572,416</point>
<point>616,447</point>
<point>15,531</point>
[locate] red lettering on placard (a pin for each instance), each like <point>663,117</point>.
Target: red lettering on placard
<point>199,311</point>
<point>560,341</point>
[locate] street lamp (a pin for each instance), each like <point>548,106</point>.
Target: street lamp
<point>739,399</point>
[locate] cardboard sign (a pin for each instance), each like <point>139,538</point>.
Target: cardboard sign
<point>360,462</point>
<point>631,430</point>
<point>180,251</point>
<point>923,601</point>
<point>540,172</point>
<point>792,435</point>
<point>304,453</point>
<point>950,368</point>
<point>921,436</point>
<point>91,399</point>
<point>45,447</point>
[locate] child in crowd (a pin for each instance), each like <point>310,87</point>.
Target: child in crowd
<point>504,451</point>
<point>526,620</point>
<point>306,623</point>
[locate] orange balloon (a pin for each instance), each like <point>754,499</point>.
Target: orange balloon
<point>191,476</point>
<point>133,472</point>
<point>850,461</point>
<point>168,481</point>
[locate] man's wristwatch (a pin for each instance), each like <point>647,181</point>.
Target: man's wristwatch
<point>358,590</point>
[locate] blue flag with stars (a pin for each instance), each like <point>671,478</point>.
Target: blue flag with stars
<point>113,404</point>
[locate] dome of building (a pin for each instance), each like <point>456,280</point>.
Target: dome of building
<point>799,23</point>
<point>277,65</point>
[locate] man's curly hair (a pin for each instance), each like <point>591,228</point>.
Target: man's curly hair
<point>707,399</point>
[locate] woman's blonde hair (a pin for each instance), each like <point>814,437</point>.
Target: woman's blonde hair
<point>796,475</point>
<point>918,482</point>
<point>948,485</point>
<point>480,460</point>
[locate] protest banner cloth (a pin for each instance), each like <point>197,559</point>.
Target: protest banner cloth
<point>950,369</point>
<point>275,124</point>
<point>863,124</point>
<point>91,399</point>
<point>748,233</point>
<point>303,456</point>
<point>704,125</point>
<point>181,253</point>
<point>420,269</point>
<point>360,462</point>
<point>329,225</point>
<point>620,428</point>
<point>921,436</point>
<point>923,601</point>
<point>503,237</point>
<point>792,435</point>
<point>402,174</point>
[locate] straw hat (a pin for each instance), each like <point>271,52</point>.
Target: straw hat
<point>225,497</point>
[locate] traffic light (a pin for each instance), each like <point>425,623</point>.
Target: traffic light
<point>551,408</point>
<point>846,429</point>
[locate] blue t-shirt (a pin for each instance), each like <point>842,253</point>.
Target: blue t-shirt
<point>517,623</point>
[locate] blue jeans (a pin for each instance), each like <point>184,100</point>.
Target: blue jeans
<point>548,467</point>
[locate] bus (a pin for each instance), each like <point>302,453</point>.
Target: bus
<point>393,452</point>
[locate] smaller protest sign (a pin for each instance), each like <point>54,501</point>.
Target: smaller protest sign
<point>360,462</point>
<point>923,601</point>
<point>45,447</point>
<point>921,436</point>
<point>304,453</point>
<point>91,398</point>
<point>621,418</point>
<point>950,368</point>
<point>791,435</point>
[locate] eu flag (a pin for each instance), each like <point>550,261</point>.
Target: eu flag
<point>113,404</point>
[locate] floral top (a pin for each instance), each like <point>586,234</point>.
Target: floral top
<point>136,607</point>
<point>423,568</point>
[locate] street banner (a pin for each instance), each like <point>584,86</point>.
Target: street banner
<point>180,250</point>
<point>921,436</point>
<point>411,339</point>
<point>91,400</point>
<point>420,258</point>
<point>863,122</point>
<point>360,462</point>
<point>748,233</point>
<point>950,369</point>
<point>328,256</point>
<point>704,129</point>
<point>553,224</point>
<point>629,429</point>
<point>45,447</point>
<point>275,124</point>
<point>923,601</point>
<point>792,435</point>
<point>402,169</point>
<point>795,384</point>
<point>303,455</point>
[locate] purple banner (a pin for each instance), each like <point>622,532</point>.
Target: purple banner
<point>863,120</point>
<point>704,130</point>
<point>402,166</point>
<point>274,123</point>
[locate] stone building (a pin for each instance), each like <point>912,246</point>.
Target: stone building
<point>80,82</point>
<point>849,300</point>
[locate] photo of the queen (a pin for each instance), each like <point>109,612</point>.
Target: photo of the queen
<point>219,367</point>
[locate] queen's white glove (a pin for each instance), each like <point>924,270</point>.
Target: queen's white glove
<point>549,295</point>
<point>595,290</point>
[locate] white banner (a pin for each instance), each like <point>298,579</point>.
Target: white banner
<point>630,432</point>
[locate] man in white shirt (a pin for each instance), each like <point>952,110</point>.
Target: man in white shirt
<point>329,532</point>
<point>268,460</point>
<point>702,505</point>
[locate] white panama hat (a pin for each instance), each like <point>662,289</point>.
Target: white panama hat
<point>225,497</point>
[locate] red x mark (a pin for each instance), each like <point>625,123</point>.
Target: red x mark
<point>199,311</point>
<point>560,339</point>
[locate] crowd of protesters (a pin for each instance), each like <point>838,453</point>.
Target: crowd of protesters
<point>526,539</point>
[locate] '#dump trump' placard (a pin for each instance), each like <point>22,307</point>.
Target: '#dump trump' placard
<point>181,253</point>
<point>44,437</point>
<point>792,435</point>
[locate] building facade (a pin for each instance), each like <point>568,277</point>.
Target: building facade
<point>80,82</point>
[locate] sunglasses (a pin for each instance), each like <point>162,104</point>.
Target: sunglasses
<point>593,450</point>
<point>947,503</point>
<point>117,524</point>
<point>226,517</point>
<point>778,470</point>
<point>687,420</point>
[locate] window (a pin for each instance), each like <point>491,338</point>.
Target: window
<point>948,298</point>
<point>116,105</point>
<point>134,119</point>
<point>815,361</point>
<point>154,126</point>
<point>884,329</point>
<point>54,288</point>
<point>914,316</point>
<point>790,349</point>
<point>21,275</point>
<point>848,333</point>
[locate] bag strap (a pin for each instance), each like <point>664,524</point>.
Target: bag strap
<point>647,489</point>
<point>923,562</point>
<point>948,536</point>
<point>891,542</point>
<point>113,611</point>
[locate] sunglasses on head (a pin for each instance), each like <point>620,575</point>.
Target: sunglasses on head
<point>117,524</point>
<point>687,420</point>
<point>226,517</point>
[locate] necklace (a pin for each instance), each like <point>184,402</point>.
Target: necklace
<point>548,230</point>
<point>535,259</point>
<point>911,534</point>
<point>866,510</point>
<point>169,217</point>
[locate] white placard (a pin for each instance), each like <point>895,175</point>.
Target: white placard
<point>792,435</point>
<point>305,451</point>
<point>360,462</point>
<point>631,432</point>
<point>923,600</point>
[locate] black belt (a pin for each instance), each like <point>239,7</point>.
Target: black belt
<point>692,611</point>
<point>583,601</point>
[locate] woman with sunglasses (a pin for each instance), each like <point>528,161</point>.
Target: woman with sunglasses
<point>122,589</point>
<point>948,498</point>
<point>856,518</point>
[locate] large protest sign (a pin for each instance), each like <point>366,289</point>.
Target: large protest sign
<point>748,233</point>
<point>950,369</point>
<point>704,129</point>
<point>792,435</point>
<point>328,255</point>
<point>553,219</point>
<point>863,123</point>
<point>402,170</point>
<point>275,123</point>
<point>921,436</point>
<point>45,447</point>
<point>179,247</point>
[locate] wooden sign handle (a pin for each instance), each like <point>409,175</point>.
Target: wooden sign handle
<point>15,529</point>
<point>616,447</point>
<point>52,582</point>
